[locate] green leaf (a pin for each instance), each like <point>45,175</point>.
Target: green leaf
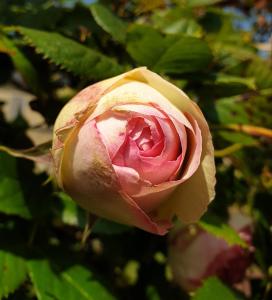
<point>70,54</point>
<point>13,272</point>
<point>188,54</point>
<point>214,289</point>
<point>262,72</point>
<point>21,63</point>
<point>184,26</point>
<point>83,279</point>
<point>173,54</point>
<point>109,22</point>
<point>228,110</point>
<point>176,21</point>
<point>11,196</point>
<point>70,283</point>
<point>70,213</point>
<point>249,82</point>
<point>229,51</point>
<point>145,45</point>
<point>237,137</point>
<point>225,85</point>
<point>223,231</point>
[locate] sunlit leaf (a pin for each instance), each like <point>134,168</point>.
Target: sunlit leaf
<point>172,54</point>
<point>228,110</point>
<point>176,21</point>
<point>223,231</point>
<point>109,22</point>
<point>73,282</point>
<point>145,45</point>
<point>211,290</point>
<point>262,72</point>
<point>13,272</point>
<point>186,55</point>
<point>237,137</point>
<point>230,79</point>
<point>70,213</point>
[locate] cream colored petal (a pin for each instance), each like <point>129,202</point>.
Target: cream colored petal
<point>76,111</point>
<point>89,97</point>
<point>131,92</point>
<point>190,199</point>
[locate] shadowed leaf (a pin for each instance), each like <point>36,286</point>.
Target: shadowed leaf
<point>109,22</point>
<point>70,54</point>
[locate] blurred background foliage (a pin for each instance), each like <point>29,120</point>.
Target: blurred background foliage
<point>219,52</point>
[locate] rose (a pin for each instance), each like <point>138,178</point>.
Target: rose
<point>123,145</point>
<point>195,254</point>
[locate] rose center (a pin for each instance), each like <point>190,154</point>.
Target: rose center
<point>142,135</point>
<point>145,140</point>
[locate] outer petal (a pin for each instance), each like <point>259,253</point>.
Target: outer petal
<point>112,128</point>
<point>87,98</point>
<point>77,110</point>
<point>88,176</point>
<point>189,201</point>
<point>133,92</point>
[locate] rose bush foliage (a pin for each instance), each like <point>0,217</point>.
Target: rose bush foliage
<point>140,163</point>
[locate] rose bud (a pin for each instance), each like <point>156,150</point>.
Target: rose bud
<point>122,146</point>
<point>195,254</point>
